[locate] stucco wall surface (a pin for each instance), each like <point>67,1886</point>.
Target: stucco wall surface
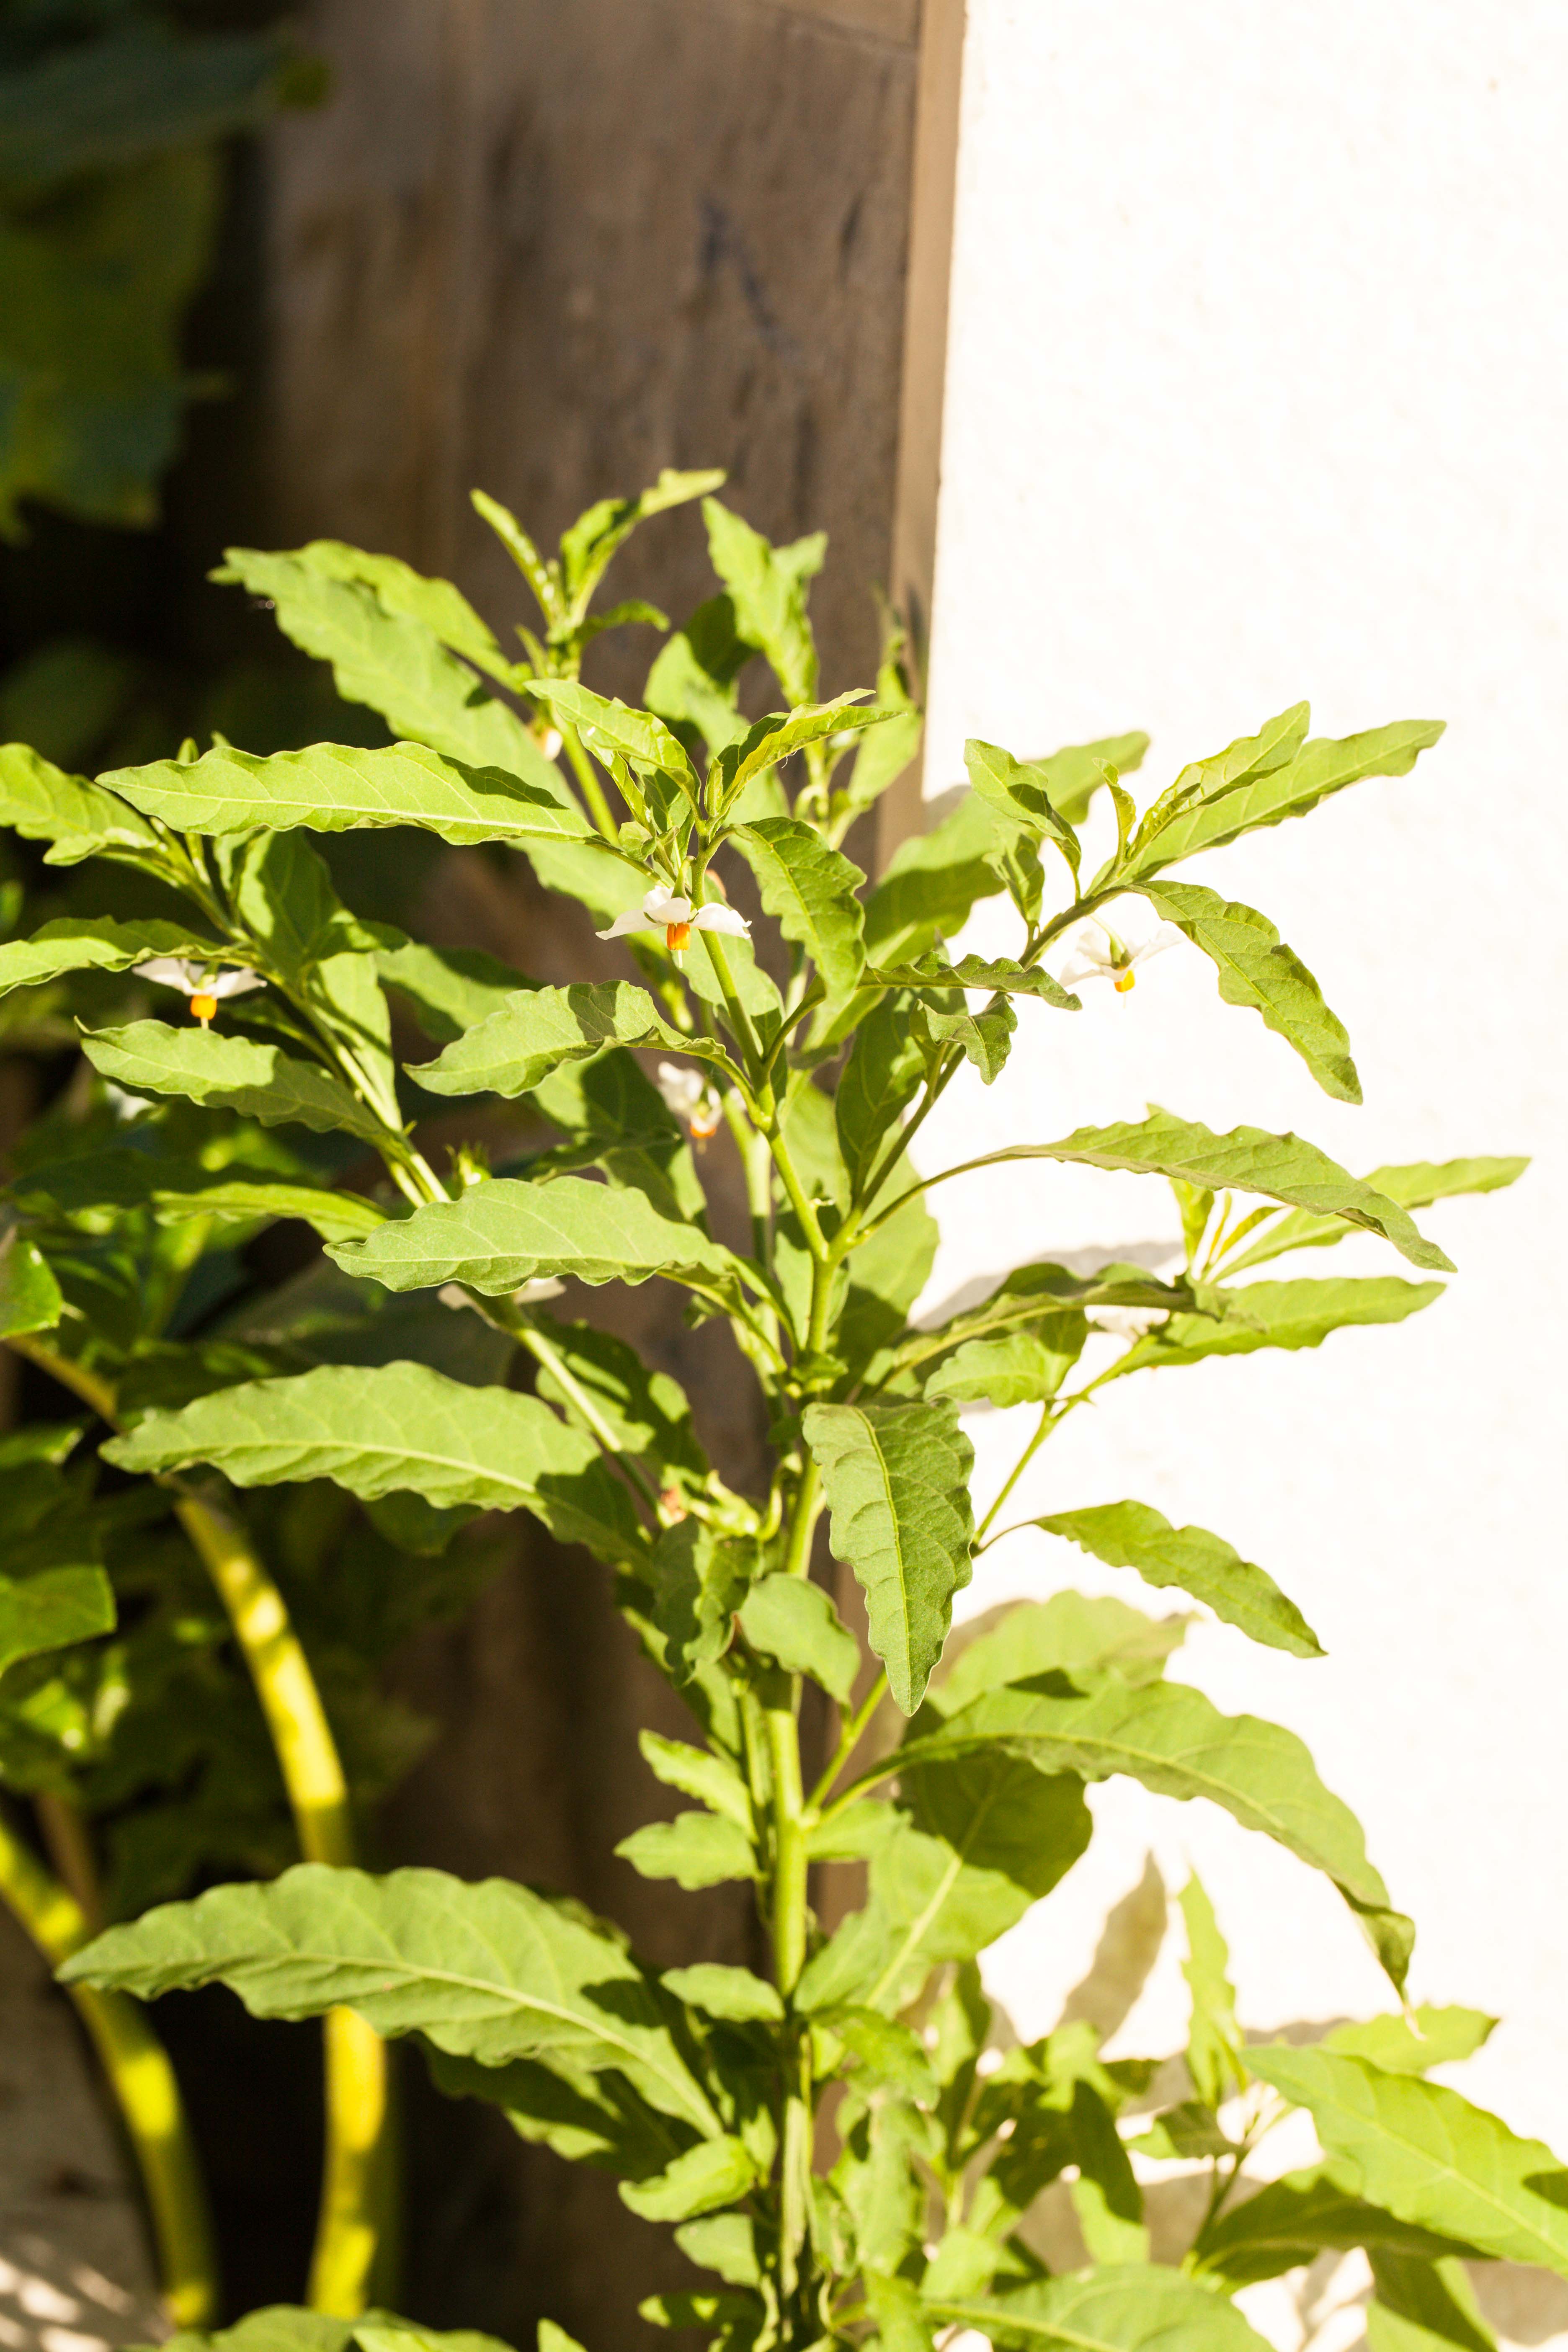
<point>1256,390</point>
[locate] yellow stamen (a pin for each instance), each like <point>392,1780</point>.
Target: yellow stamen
<point>705,1122</point>
<point>676,936</point>
<point>1124,980</point>
<point>203,1006</point>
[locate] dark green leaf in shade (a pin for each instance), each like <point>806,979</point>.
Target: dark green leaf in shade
<point>931,883</point>
<point>1423,2306</point>
<point>51,1611</point>
<point>30,1298</point>
<point>1292,2220</point>
<point>880,1079</point>
<point>449,989</point>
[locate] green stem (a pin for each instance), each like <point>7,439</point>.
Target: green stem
<point>142,2080</point>
<point>1042,1432</point>
<point>802,1521</point>
<point>592,789</point>
<point>852,1733</point>
<point>357,2224</point>
<point>788,1930</point>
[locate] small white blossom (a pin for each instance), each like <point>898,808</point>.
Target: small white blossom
<point>533,1294</point>
<point>203,985</point>
<point>1098,954</point>
<point>687,1094</point>
<point>664,910</point>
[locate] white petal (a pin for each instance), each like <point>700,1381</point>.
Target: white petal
<point>682,1090</point>
<point>234,984</point>
<point>544,1287</point>
<point>635,919</point>
<point>1157,942</point>
<point>715,918</point>
<point>662,905</point>
<point>1084,966</point>
<point>170,971</point>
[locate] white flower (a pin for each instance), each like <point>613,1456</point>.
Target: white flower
<point>1115,959</point>
<point>203,985</point>
<point>689,1095</point>
<point>663,911</point>
<point>533,1294</point>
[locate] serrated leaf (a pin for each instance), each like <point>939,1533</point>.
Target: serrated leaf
<point>1428,2155</point>
<point>1175,1742</point>
<point>613,729</point>
<point>503,1234</point>
<point>1413,2043</point>
<point>382,1429</point>
<point>1281,1315</point>
<point>443,609</point>
<point>897,1478</point>
<point>985,1037</point>
<point>715,2172</point>
<point>1136,1536</point>
<point>87,943</point>
<point>229,1073</point>
<point>491,1971</point>
<point>1325,765</point>
<point>51,1611</point>
<point>694,1848</point>
<point>1276,743</point>
<point>1246,1159</point>
<point>713,1780</point>
<point>1414,1185</point>
<point>781,734</point>
<point>699,1580</point>
<point>337,787</point>
<point>1257,970</point>
<point>1008,979</point>
<point>535,1031</point>
<point>30,1298</point>
<point>1023,1367</point>
<point>1129,2307</point>
<point>731,1993</point>
<point>809,889</point>
<point>1291,2220</point>
<point>795,1623</point>
<point>41,802</point>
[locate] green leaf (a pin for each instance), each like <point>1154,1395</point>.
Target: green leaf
<point>1075,775</point>
<point>1423,2306</point>
<point>1257,970</point>
<point>1105,2196</point>
<point>1291,2220</point>
<point>51,1611</point>
<point>930,883</point>
<point>934,971</point>
<point>773,739</point>
<point>694,1848</point>
<point>1076,1634</point>
<point>87,943</point>
<point>586,2118</point>
<point>449,989</point>
<point>767,586</point>
<point>809,889</point>
<point>1247,1160</point>
<point>986,1037</point>
<point>1170,1736</point>
<point>1022,1367</point>
<point>386,1428</point>
<point>1428,2155</point>
<point>586,549</point>
<point>1214,2037</point>
<point>1280,1315</point>
<point>491,1971</point>
<point>30,1298</point>
<point>1129,2307</point>
<point>888,2053</point>
<point>1414,1186</point>
<point>715,2172</point>
<point>503,1234</point>
<point>897,1478</point>
<point>612,729</point>
<point>1020,794</point>
<point>647,1412</point>
<point>229,1073</point>
<point>336,787</point>
<point>731,1993</point>
<point>100,104</point>
<point>692,684</point>
<point>880,1079</point>
<point>515,1050</point>
<point>336,1216</point>
<point>698,1580</point>
<point>41,802</point>
<point>380,625</point>
<point>795,1623</point>
<point>1222,810</point>
<point>697,1772</point>
<point>1414,2043</point>
<point>1276,743</point>
<point>1134,1535</point>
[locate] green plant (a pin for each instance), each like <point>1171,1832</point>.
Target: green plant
<point>956,1775</point>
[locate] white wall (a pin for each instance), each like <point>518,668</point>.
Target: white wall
<point>1257,390</point>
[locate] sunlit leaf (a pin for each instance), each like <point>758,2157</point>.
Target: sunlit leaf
<point>1136,1536</point>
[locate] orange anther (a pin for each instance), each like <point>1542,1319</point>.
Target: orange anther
<point>676,936</point>
<point>203,1006</point>
<point>1124,980</point>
